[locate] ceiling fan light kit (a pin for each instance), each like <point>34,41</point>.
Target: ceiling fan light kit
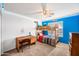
<point>46,12</point>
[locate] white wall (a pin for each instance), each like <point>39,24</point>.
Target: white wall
<point>14,25</point>
<point>0,29</point>
<point>0,33</point>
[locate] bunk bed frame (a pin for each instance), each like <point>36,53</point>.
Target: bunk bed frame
<point>48,28</point>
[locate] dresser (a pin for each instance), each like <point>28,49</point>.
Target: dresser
<point>74,44</point>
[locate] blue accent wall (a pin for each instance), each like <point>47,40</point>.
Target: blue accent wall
<point>70,24</point>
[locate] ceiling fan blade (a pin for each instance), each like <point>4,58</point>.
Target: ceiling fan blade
<point>31,13</point>
<point>51,13</point>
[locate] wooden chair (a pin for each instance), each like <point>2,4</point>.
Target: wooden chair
<point>25,42</point>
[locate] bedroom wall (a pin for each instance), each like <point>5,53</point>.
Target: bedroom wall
<point>0,29</point>
<point>14,25</point>
<point>70,24</point>
<point>0,33</point>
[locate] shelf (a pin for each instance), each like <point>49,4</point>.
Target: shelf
<point>43,28</point>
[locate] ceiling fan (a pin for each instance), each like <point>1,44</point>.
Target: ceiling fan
<point>44,11</point>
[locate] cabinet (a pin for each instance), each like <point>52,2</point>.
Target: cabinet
<point>74,44</point>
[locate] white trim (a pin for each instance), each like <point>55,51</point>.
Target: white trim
<point>19,15</point>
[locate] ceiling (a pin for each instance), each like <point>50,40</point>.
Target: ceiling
<point>28,9</point>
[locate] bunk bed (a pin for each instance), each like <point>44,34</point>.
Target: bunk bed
<point>51,38</point>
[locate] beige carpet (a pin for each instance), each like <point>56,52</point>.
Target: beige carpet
<point>60,50</point>
<point>42,49</point>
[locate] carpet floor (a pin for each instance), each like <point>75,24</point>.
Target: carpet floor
<point>41,49</point>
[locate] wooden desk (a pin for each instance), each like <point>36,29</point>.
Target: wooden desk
<point>21,40</point>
